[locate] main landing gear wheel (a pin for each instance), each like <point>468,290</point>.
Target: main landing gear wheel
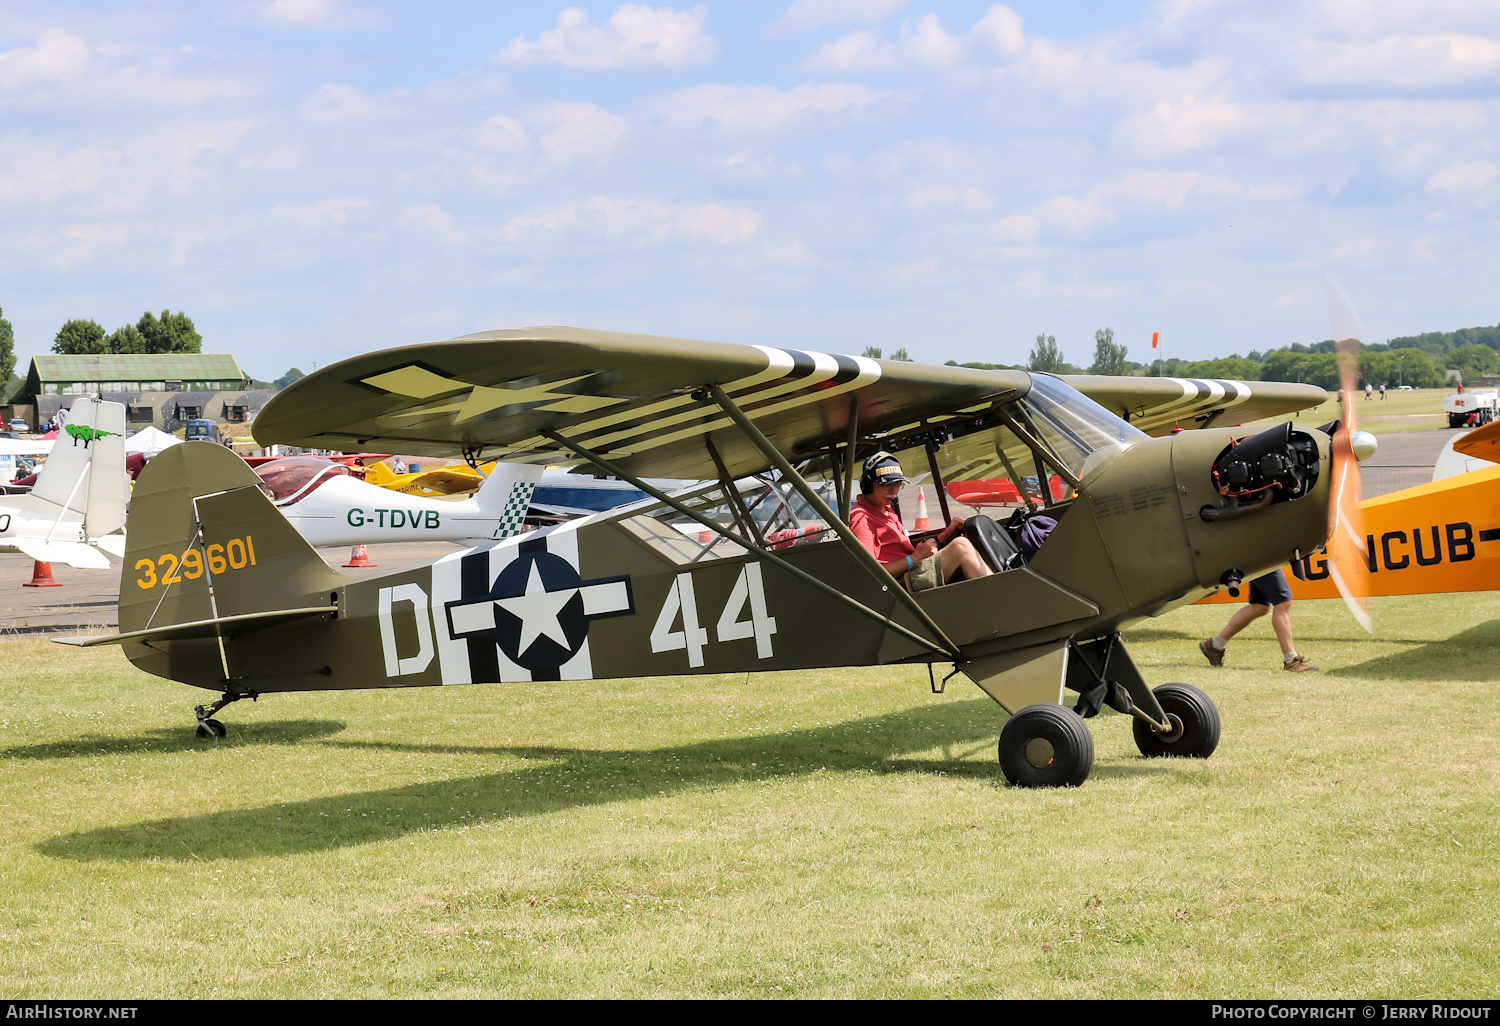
<point>1046,745</point>
<point>1194,719</point>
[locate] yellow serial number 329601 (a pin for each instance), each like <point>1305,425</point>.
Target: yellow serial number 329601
<point>235,554</point>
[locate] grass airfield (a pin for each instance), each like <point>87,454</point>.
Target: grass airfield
<point>818,834</point>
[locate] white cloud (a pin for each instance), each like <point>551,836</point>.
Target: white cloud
<point>1018,228</point>
<point>755,108</point>
<point>924,43</point>
<point>1189,124</point>
<point>501,134</point>
<point>432,221</point>
<point>1076,215</point>
<point>58,56</point>
<point>336,103</point>
<point>1463,178</point>
<point>810,14</point>
<point>636,37</point>
<point>320,214</point>
<point>1169,190</point>
<point>1400,63</point>
<point>639,220</point>
<point>578,131</point>
<point>325,14</point>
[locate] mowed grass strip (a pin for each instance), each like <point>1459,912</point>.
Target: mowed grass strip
<point>1420,409</point>
<point>816,834</point>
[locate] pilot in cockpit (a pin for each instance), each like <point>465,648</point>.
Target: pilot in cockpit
<point>877,525</point>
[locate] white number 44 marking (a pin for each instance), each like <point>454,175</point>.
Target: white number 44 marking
<point>749,588</point>
<point>759,626</point>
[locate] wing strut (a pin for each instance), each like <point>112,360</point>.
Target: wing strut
<point>742,515</point>
<point>851,543</point>
<point>846,497</point>
<point>931,445</point>
<point>745,543</point>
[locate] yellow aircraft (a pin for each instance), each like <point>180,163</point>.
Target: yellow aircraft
<point>446,480</point>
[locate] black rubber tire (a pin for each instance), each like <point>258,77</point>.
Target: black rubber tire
<point>1194,712</point>
<point>1051,731</point>
<point>212,729</point>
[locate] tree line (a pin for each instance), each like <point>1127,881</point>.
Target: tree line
<point>169,333</point>
<point>1421,361</point>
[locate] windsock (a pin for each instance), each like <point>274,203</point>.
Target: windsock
<point>922,524</point>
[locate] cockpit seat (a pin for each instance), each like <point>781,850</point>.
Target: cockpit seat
<point>992,541</point>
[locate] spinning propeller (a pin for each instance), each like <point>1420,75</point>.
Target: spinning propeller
<point>1347,561</point>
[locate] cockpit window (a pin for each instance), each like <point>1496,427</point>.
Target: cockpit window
<point>1072,425</point>
<point>296,477</point>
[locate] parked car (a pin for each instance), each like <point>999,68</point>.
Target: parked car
<point>202,430</point>
<point>18,424</point>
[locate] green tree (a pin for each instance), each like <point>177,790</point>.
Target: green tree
<point>7,349</point>
<point>1045,355</point>
<point>79,338</point>
<point>1109,356</point>
<point>171,333</point>
<point>287,378</point>
<point>900,356</point>
<point>1305,366</point>
<point>127,340</point>
<point>871,352</point>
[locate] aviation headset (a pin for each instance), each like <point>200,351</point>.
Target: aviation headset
<point>872,466</point>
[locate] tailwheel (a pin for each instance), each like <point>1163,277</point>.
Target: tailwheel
<point>211,728</point>
<point>1194,720</point>
<point>1046,745</point>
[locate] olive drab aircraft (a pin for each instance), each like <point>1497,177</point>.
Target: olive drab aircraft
<point>78,502</point>
<point>221,593</point>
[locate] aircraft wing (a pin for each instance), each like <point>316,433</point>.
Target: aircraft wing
<point>1482,443</point>
<point>1157,405</point>
<point>638,400</point>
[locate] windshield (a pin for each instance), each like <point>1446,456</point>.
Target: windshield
<point>294,477</point>
<point>1071,424</point>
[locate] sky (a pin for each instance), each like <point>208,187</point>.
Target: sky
<point>314,179</point>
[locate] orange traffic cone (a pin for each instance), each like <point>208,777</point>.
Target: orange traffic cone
<point>41,576</point>
<point>705,537</point>
<point>922,523</point>
<point>359,557</point>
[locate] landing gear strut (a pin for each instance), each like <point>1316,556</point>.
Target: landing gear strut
<point>212,728</point>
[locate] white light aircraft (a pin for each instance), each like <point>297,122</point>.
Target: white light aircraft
<point>78,502</point>
<point>329,506</point>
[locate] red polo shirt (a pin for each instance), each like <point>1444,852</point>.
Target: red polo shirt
<point>880,531</point>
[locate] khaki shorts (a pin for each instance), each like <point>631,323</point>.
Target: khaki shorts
<point>926,575</point>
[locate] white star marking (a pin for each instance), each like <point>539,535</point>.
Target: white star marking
<point>537,610</point>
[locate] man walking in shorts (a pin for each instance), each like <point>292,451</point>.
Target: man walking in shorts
<point>1268,594</point>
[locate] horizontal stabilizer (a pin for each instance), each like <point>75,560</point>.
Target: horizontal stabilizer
<point>114,544</point>
<point>75,554</point>
<point>221,627</point>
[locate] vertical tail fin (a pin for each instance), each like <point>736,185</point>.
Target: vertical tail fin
<point>506,494</point>
<point>204,542</point>
<point>89,453</point>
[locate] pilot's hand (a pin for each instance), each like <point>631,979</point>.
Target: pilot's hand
<point>923,550</point>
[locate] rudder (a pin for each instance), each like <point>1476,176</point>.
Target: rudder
<point>203,542</point>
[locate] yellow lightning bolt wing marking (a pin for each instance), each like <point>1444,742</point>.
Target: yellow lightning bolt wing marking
<point>417,382</point>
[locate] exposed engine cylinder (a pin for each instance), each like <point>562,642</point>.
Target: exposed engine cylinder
<point>1280,460</point>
